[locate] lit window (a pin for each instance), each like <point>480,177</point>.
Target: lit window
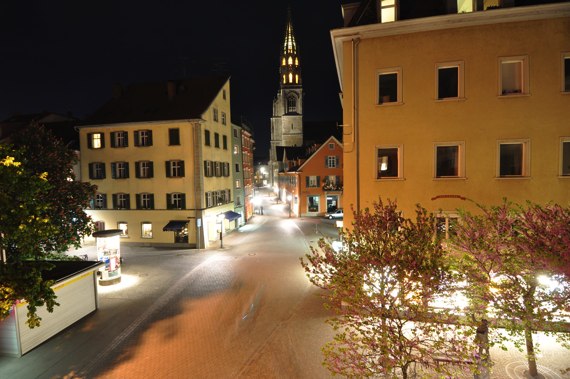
<point>388,10</point>
<point>513,158</point>
<point>388,162</point>
<point>145,201</point>
<point>119,139</point>
<point>565,156</point>
<point>513,76</point>
<point>290,61</point>
<point>238,185</point>
<point>146,230</point>
<point>296,61</point>
<point>464,6</point>
<point>449,77</point>
<point>566,72</point>
<point>95,141</point>
<point>124,228</point>
<point>389,86</point>
<point>290,78</point>
<point>236,149</point>
<point>144,169</point>
<point>446,225</point>
<point>120,170</point>
<point>97,170</point>
<point>449,160</point>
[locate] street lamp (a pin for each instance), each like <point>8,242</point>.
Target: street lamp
<point>289,198</point>
<point>220,218</point>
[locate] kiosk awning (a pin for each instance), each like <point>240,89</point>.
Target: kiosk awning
<point>231,215</point>
<point>175,225</point>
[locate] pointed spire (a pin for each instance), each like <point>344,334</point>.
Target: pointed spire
<point>289,69</point>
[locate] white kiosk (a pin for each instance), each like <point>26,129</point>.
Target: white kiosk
<point>109,252</point>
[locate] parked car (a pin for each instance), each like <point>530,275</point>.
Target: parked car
<point>335,214</point>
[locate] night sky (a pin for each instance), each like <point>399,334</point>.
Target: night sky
<point>64,56</point>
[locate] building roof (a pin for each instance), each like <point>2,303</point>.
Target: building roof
<point>159,101</point>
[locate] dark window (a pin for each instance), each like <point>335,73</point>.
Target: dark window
<point>387,163</point>
<point>447,82</point>
<point>566,158</point>
<point>207,137</point>
<point>174,169</point>
<point>119,139</point>
<point>175,200</point>
<point>216,140</point>
<point>97,170</point>
<point>145,201</point>
<point>226,169</point>
<point>237,167</point>
<point>121,201</point>
<point>388,88</point>
<point>225,142</point>
<point>174,137</point>
<point>143,138</point>
<point>511,159</point>
<point>120,170</point>
<point>144,169</point>
<point>567,74</point>
<point>447,161</point>
<point>235,133</point>
<point>218,169</point>
<point>99,201</point>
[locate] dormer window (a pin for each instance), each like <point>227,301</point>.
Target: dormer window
<point>388,10</point>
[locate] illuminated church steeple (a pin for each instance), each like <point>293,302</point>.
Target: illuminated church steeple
<point>287,120</point>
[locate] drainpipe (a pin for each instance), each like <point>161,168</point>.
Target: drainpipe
<point>355,42</point>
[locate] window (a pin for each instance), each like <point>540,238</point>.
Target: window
<point>99,225</point>
<point>207,137</point>
<point>223,118</point>
<point>216,114</point>
<point>565,156</point>
<point>124,228</point>
<point>208,171</point>
<point>235,133</point>
<point>218,169</point>
<point>449,77</point>
<point>513,76</point>
<point>120,170</point>
<point>445,226</point>
<point>175,200</point>
<point>100,201</point>
<point>144,169</point>
<point>226,168</point>
<point>389,86</point>
<point>237,167</point>
<point>331,146</point>
<point>238,184</point>
<point>291,104</point>
<point>95,140</point>
<point>238,201</point>
<point>175,169</point>
<point>388,162</point>
<point>331,161</point>
<point>388,10</point>
<point>216,140</point>
<point>97,170</point>
<point>209,200</point>
<point>566,72</point>
<point>224,94</point>
<point>464,6</point>
<point>119,139</point>
<point>513,158</point>
<point>143,137</point>
<point>146,230</point>
<point>236,149</point>
<point>313,203</point>
<point>449,160</point>
<point>121,201</point>
<point>174,136</point>
<point>145,201</point>
<point>313,181</point>
<point>225,142</point>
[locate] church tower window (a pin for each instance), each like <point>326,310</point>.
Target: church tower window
<point>291,105</point>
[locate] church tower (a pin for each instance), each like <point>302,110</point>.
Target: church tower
<point>287,120</point>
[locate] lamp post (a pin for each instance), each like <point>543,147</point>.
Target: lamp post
<point>221,221</point>
<point>289,198</point>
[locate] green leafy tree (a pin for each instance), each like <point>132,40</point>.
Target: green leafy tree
<point>515,261</point>
<point>41,216</point>
<point>382,285</point>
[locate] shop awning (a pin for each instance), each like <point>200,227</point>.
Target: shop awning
<point>231,215</point>
<point>175,225</point>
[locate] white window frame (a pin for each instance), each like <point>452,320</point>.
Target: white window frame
<point>332,161</point>
<point>386,71</point>
<point>99,202</point>
<point>563,141</point>
<point>122,199</point>
<point>215,111</point>
<point>146,200</point>
<point>223,118</point>
<point>446,216</point>
<point>525,169</point>
<point>144,169</point>
<point>146,230</point>
<point>209,199</point>
<point>565,57</point>
<point>460,79</point>
<point>121,170</point>
<point>144,137</point>
<point>119,138</point>
<point>175,168</point>
<point>460,159</point>
<point>313,181</point>
<point>377,168</point>
<point>176,199</point>
<point>524,90</point>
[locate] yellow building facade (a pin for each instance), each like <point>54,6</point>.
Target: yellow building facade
<point>163,176</point>
<point>451,108</point>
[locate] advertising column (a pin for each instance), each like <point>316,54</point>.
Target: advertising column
<point>109,252</point>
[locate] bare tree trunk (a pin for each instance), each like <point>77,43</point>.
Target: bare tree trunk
<point>532,369</point>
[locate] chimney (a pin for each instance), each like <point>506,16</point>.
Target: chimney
<point>171,89</point>
<point>117,90</point>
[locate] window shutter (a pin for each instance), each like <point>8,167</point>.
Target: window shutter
<point>91,171</point>
<point>102,140</point>
<point>337,160</point>
<point>318,181</point>
<point>103,174</point>
<point>182,169</point>
<point>115,201</point>
<point>127,201</point>
<point>126,169</point>
<point>167,169</point>
<point>139,202</point>
<point>151,169</point>
<point>126,138</point>
<point>137,140</point>
<point>90,140</point>
<point>337,180</point>
<point>151,196</point>
<point>104,196</point>
<point>113,137</point>
<point>307,181</point>
<point>138,170</point>
<point>206,169</point>
<point>114,170</point>
<point>326,161</point>
<point>168,201</point>
<point>149,138</point>
<point>183,201</point>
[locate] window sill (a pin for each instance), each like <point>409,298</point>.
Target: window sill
<point>390,104</point>
<point>444,178</point>
<point>450,99</point>
<point>565,93</point>
<point>512,177</point>
<point>389,179</point>
<point>564,177</point>
<point>513,95</point>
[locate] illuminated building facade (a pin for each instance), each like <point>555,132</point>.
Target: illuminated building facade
<point>466,100</point>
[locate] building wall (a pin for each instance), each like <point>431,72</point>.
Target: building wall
<point>478,120</point>
<point>237,172</point>
<point>192,150</point>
